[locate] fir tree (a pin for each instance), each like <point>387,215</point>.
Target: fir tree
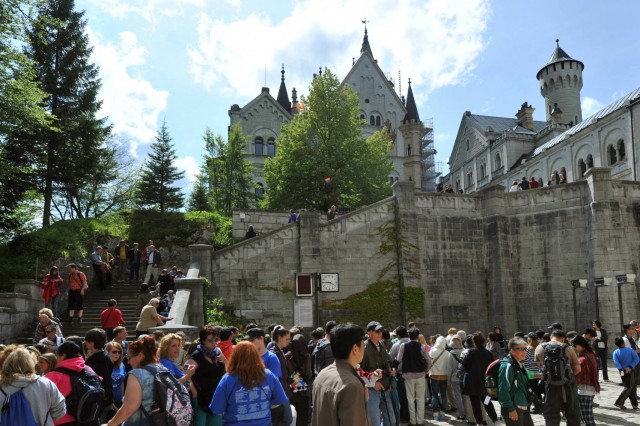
<point>60,158</point>
<point>159,174</point>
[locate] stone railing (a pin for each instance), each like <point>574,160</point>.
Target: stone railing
<point>19,309</point>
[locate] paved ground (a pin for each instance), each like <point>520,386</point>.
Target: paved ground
<point>605,414</point>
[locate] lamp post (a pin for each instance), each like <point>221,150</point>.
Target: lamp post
<point>597,283</point>
<point>576,284</point>
<point>623,279</point>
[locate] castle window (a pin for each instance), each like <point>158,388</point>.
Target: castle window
<point>372,120</point>
<point>458,185</point>
<point>259,146</point>
<point>611,155</point>
<point>378,123</point>
<point>362,117</point>
<point>562,65</point>
<point>582,167</point>
<point>469,180</point>
<point>571,65</point>
<point>409,150</point>
<point>483,170</point>
<point>589,161</point>
<point>563,173</point>
<point>468,145</point>
<point>366,101</point>
<point>621,151</point>
<point>498,161</point>
<point>271,147</point>
<point>391,180</point>
<point>259,190</point>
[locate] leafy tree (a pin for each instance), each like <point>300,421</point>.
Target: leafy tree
<point>21,107</point>
<point>111,188</point>
<point>227,173</point>
<point>62,157</point>
<point>159,174</point>
<point>322,158</point>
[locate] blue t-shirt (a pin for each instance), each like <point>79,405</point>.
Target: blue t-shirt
<point>248,407</point>
<point>177,373</point>
<point>117,377</point>
<point>271,362</point>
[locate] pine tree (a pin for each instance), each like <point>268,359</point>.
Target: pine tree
<point>159,174</point>
<point>198,199</point>
<point>60,158</point>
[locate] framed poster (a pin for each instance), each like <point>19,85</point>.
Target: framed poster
<point>303,312</point>
<point>304,285</point>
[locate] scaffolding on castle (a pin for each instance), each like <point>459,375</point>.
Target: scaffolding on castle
<point>431,169</point>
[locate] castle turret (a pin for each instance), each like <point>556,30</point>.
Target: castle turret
<point>560,84</point>
<point>283,96</point>
<point>412,131</point>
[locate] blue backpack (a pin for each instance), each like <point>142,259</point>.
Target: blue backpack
<point>16,410</point>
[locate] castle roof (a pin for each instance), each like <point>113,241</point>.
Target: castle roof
<point>412,109</point>
<point>558,55</point>
<point>609,109</point>
<point>365,43</point>
<point>283,96</point>
<point>500,124</point>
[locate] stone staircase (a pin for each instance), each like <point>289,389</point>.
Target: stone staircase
<point>96,301</point>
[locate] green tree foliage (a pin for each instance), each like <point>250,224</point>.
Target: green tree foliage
<point>226,173</point>
<point>21,107</point>
<point>325,141</point>
<point>199,199</point>
<point>63,157</point>
<point>155,189</point>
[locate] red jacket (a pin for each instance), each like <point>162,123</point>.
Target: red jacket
<point>51,287</point>
<point>63,382</point>
<point>226,347</point>
<point>111,318</point>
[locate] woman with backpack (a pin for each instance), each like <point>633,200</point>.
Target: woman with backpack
<point>69,356</point>
<point>299,377</point>
<point>587,379</point>
<point>19,382</point>
<point>139,394</point>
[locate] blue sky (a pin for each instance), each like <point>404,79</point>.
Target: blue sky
<point>188,61</point>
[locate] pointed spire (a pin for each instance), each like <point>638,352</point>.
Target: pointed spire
<point>283,96</point>
<point>365,42</point>
<point>412,109</point>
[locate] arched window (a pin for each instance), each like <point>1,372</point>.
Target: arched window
<point>611,154</point>
<point>259,143</point>
<point>271,147</point>
<point>409,150</point>
<point>589,161</point>
<point>498,161</point>
<point>259,190</point>
<point>621,151</point>
<point>378,123</point>
<point>372,120</point>
<point>582,167</point>
<point>362,117</point>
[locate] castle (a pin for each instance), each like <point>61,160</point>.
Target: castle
<point>412,154</point>
<point>498,150</point>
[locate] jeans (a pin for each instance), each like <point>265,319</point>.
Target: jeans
<point>415,399</point>
<point>53,304</point>
<point>380,401</point>
<point>438,395</point>
<point>134,271</point>
<point>603,354</point>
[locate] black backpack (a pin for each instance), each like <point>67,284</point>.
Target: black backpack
<point>87,395</point>
<point>555,369</point>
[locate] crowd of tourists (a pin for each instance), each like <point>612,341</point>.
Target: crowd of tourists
<point>341,374</point>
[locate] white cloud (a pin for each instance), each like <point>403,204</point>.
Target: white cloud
<point>435,43</point>
<point>590,106</point>
<point>131,102</point>
<point>190,167</point>
<point>147,9</point>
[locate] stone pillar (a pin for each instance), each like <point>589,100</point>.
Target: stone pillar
<point>194,314</point>
<point>599,180</point>
<point>201,254</point>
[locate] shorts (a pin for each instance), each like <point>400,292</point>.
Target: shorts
<point>75,300</point>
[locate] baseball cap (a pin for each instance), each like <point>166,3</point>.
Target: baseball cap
<point>374,326</point>
<point>555,326</point>
<point>254,333</point>
<point>532,335</point>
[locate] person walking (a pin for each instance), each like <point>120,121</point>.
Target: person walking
<point>627,362</point>
<point>512,385</point>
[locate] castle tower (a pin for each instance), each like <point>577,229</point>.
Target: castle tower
<point>283,96</point>
<point>560,84</point>
<point>412,131</point>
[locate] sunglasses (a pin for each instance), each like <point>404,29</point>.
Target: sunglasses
<point>116,352</point>
<point>520,349</point>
